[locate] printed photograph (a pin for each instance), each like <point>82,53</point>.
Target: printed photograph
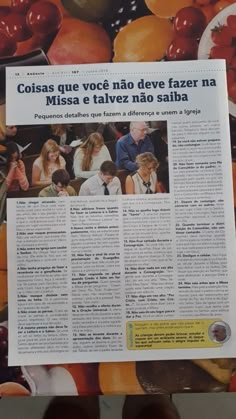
<point>219,332</point>
<point>110,158</point>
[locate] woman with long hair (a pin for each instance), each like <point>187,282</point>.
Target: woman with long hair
<point>90,155</point>
<point>144,180</point>
<point>16,177</point>
<point>48,161</point>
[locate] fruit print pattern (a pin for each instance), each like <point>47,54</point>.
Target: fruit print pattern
<point>118,28</point>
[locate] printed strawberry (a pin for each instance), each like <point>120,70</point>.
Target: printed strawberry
<point>221,35</point>
<point>225,53</point>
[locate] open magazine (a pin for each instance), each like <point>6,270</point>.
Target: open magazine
<point>124,246</point>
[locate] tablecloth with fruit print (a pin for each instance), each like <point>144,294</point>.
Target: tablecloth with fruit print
<point>96,31</point>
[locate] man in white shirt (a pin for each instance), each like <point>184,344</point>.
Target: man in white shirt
<point>104,183</point>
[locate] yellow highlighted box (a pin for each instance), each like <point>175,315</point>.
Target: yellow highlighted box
<point>170,334</point>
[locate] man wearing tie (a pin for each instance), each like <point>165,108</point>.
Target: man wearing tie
<point>104,183</point>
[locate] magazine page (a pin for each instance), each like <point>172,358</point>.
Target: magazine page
<point>146,272</point>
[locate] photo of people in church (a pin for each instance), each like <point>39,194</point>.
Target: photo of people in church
<point>110,158</point>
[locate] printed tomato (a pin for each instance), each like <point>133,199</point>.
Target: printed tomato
<point>182,49</point>
<point>221,35</point>
<point>189,22</point>
<point>220,5</point>
<point>225,53</point>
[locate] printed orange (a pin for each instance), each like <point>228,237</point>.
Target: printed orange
<point>144,39</point>
<point>119,378</point>
<point>167,8</point>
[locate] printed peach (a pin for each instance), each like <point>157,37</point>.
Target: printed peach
<point>79,42</point>
<point>13,389</point>
<point>118,378</point>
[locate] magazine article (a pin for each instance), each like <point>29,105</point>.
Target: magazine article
<point>122,234</point>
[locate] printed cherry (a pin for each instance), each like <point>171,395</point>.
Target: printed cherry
<point>15,27</point>
<point>182,49</point>
<point>44,17</point>
<point>189,22</point>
